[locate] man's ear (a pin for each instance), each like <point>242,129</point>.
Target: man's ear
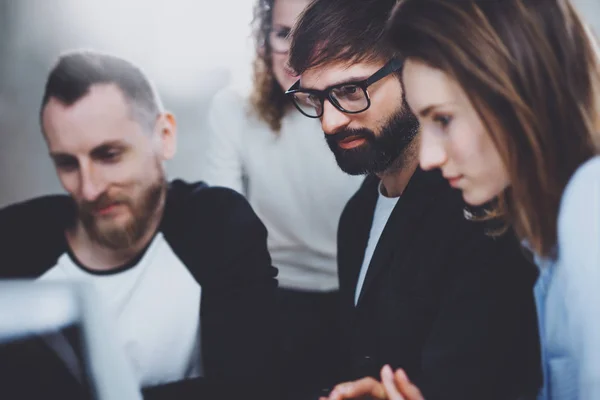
<point>166,129</point>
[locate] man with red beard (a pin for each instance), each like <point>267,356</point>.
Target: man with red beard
<point>182,268</point>
<point>421,288</point>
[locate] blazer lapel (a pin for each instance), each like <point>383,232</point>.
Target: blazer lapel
<point>405,219</point>
<point>359,232</point>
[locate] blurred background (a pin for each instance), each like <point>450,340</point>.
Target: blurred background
<point>189,48</point>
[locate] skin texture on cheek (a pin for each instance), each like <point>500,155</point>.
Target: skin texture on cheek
<point>284,77</point>
<point>454,139</point>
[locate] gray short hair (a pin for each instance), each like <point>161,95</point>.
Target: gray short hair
<point>76,72</point>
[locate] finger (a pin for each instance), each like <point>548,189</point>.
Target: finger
<point>335,395</point>
<point>363,388</point>
<point>387,378</point>
<point>339,391</point>
<point>410,391</point>
<point>368,387</point>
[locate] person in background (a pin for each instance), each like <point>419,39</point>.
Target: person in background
<point>421,287</point>
<point>508,96</point>
<point>182,269</point>
<point>260,146</point>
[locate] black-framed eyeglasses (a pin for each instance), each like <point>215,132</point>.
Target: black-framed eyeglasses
<point>348,97</point>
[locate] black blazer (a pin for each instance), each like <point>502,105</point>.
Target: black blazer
<point>442,300</point>
<point>221,241</point>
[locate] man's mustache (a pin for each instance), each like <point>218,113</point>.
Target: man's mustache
<point>104,201</point>
<point>348,133</point>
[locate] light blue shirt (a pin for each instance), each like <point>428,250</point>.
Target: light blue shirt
<point>568,294</point>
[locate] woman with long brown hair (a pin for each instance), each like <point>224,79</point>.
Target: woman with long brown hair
<point>262,147</point>
<point>508,96</point>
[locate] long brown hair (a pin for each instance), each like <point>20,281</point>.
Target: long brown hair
<point>268,99</point>
<point>531,71</point>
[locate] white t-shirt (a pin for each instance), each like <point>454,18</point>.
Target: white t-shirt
<point>153,308</point>
<point>292,181</point>
<point>383,210</point>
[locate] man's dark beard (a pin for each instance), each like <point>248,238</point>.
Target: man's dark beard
<point>378,153</point>
<point>142,214</point>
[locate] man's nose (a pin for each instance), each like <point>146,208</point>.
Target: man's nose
<point>333,120</point>
<point>92,184</point>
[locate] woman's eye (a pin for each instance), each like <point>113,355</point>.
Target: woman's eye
<point>282,33</point>
<point>442,120</point>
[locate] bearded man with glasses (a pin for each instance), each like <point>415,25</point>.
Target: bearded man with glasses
<point>422,288</point>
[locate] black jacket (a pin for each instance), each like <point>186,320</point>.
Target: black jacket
<point>218,237</point>
<point>442,300</point>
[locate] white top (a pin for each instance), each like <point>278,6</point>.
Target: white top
<point>383,210</point>
<point>292,181</point>
<point>568,294</point>
<point>153,310</point>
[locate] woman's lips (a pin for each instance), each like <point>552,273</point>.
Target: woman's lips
<point>454,181</point>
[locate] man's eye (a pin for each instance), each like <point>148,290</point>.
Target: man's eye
<point>351,89</point>
<point>65,163</point>
<point>349,93</point>
<point>110,155</point>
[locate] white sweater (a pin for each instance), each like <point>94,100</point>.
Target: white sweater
<point>292,181</point>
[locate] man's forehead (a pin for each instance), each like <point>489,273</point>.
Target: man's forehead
<point>102,101</point>
<point>330,74</point>
<point>86,124</point>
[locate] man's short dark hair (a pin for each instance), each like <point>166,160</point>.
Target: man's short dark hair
<point>76,72</point>
<point>341,31</point>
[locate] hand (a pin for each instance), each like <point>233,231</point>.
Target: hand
<point>397,386</point>
<point>363,389</point>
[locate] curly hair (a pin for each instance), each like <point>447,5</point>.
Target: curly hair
<point>268,99</point>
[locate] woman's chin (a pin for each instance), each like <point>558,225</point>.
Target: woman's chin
<point>475,198</point>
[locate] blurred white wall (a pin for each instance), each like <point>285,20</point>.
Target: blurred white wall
<point>189,48</point>
<point>590,10</point>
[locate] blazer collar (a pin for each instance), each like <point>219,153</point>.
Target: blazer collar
<point>406,219</point>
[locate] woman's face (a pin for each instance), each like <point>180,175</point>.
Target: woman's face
<point>285,13</point>
<point>453,137</point>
